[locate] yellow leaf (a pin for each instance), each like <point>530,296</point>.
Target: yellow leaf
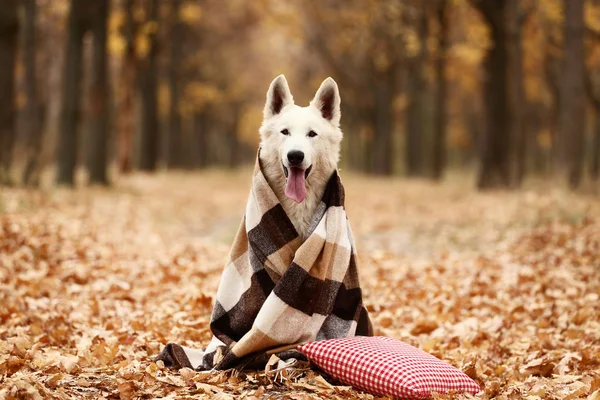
<point>116,44</point>
<point>190,13</point>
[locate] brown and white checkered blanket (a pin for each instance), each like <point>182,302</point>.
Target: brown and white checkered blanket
<point>277,290</point>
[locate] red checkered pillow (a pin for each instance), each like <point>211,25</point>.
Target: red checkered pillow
<point>387,367</point>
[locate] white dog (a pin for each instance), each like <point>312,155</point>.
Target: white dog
<point>300,148</point>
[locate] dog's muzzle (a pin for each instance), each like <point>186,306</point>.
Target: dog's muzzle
<point>286,172</point>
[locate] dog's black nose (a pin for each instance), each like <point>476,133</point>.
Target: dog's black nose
<point>295,157</point>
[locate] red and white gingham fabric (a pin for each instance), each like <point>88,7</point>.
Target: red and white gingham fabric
<point>387,367</point>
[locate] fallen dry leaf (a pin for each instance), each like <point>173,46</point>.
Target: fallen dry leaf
<point>126,390</point>
<point>94,282</point>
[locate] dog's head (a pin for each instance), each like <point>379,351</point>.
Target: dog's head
<point>304,139</point>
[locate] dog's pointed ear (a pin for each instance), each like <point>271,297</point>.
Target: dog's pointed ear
<point>327,101</point>
<point>278,96</point>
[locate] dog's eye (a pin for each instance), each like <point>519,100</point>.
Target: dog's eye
<point>312,134</point>
<point>285,132</point>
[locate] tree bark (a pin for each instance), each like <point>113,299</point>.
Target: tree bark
<point>99,115</point>
<point>51,109</point>
<point>9,32</point>
<point>552,78</point>
<point>235,152</point>
<point>128,83</point>
<point>383,97</point>
<point>71,107</point>
<point>572,110</point>
<point>595,167</point>
<point>592,84</point>
<point>175,156</point>
<point>416,91</point>
<point>32,128</point>
<point>200,131</point>
<point>149,107</point>
<point>536,121</point>
<point>494,151</point>
<point>515,20</point>
<point>439,141</point>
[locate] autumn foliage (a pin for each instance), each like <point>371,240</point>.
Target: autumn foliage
<point>504,286</point>
<point>508,89</point>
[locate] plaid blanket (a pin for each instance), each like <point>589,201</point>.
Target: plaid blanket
<point>276,290</point>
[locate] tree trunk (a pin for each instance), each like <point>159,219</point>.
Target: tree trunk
<point>416,92</point>
<point>71,106</point>
<point>593,90</point>
<point>572,110</point>
<point>439,141</point>
<point>149,109</point>
<point>175,155</point>
<point>552,77</point>
<point>495,144</point>
<point>383,97</point>
<point>200,133</point>
<point>50,95</point>
<point>128,84</point>
<point>516,130</point>
<point>99,115</point>
<point>352,148</point>
<point>33,131</point>
<point>235,147</point>
<point>9,32</point>
<point>595,167</point>
<point>535,121</point>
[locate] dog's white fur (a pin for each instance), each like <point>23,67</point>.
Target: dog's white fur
<point>322,152</point>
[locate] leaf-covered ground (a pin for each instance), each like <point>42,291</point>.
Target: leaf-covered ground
<point>503,285</point>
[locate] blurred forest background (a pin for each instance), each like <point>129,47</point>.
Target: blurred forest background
<point>504,88</point>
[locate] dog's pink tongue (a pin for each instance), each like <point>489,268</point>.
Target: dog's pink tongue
<point>295,188</point>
